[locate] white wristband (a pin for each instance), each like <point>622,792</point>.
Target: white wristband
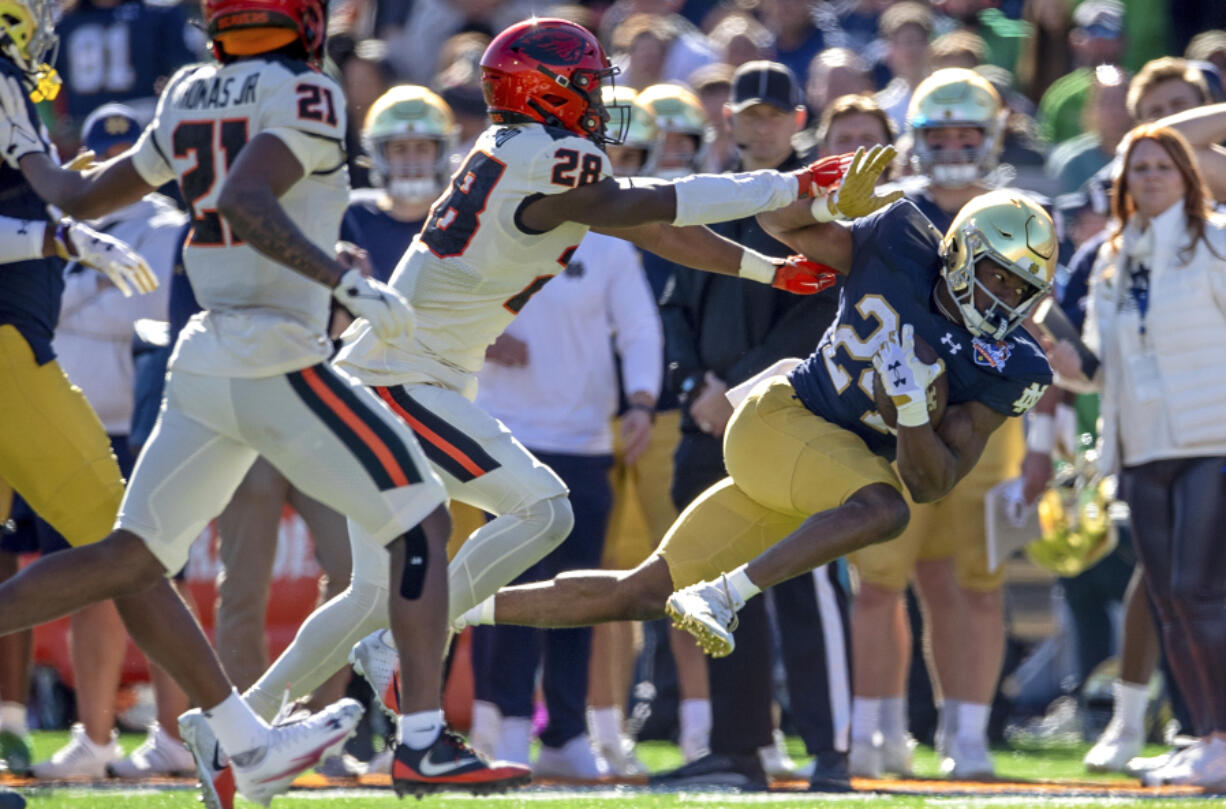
<point>913,414</point>
<point>757,267</point>
<point>821,207</point>
<point>1040,433</point>
<point>706,198</point>
<point>22,239</point>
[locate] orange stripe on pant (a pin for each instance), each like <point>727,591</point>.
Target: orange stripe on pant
<point>359,427</point>
<point>429,435</point>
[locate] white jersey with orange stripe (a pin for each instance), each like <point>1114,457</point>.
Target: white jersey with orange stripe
<point>475,264</point>
<point>261,317</point>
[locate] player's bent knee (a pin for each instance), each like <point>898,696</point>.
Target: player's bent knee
<point>553,518</point>
<point>886,513</point>
<point>130,562</point>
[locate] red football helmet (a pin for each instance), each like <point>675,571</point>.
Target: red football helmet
<point>549,71</point>
<point>246,27</point>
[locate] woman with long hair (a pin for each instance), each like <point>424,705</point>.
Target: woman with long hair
<point>1157,319</point>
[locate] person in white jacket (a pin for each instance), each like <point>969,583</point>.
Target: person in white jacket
<point>552,378</point>
<point>1157,319</point>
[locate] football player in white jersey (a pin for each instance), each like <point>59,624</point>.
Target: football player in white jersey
<point>255,142</point>
<point>513,214</point>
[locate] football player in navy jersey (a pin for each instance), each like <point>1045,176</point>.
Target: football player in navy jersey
<point>409,134</point>
<point>808,454</point>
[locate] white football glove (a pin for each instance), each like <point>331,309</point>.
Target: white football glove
<point>18,134</point>
<point>905,377</point>
<point>106,254</point>
<point>389,314</point>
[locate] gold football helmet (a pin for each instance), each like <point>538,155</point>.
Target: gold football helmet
<point>1015,232</point>
<point>409,112</point>
<point>676,110</point>
<point>641,131</point>
<point>955,96</point>
<point>1075,517</point>
<point>27,38</point>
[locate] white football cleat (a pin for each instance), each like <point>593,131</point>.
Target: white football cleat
<point>376,658</point>
<point>967,762</point>
<point>293,748</point>
<point>865,759</point>
<point>159,754</point>
<point>1115,748</point>
<point>622,760</point>
<point>212,765</point>
<point>1202,764</point>
<point>80,757</point>
<point>576,759</point>
<point>707,610</point>
<point>776,762</point>
<point>898,754</point>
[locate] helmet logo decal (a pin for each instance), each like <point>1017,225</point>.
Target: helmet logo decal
<point>552,46</point>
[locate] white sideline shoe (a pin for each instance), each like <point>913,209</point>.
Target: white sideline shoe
<point>898,754</point>
<point>159,754</point>
<point>80,757</point>
<point>865,759</point>
<point>212,766</point>
<point>776,762</point>
<point>575,759</point>
<point>376,658</point>
<point>967,762</point>
<point>1114,749</point>
<point>707,610</point>
<point>294,747</point>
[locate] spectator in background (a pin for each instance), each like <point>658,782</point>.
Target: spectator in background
<point>1106,122</point>
<point>739,38</point>
<point>1209,46</point>
<point>93,343</point>
<point>719,332</point>
<point>1022,150</point>
<point>688,50</point>
<point>906,28</point>
<point>713,87</point>
<point>1002,35</point>
<point>459,83</point>
<point>957,49</point>
<point>640,48</point>
<point>414,48</point>
<point>836,72</point>
<point>797,38</point>
<point>1164,87</point>
<point>552,378</point>
<point>1045,55</point>
<point>681,129</point>
<point>118,50</point>
<point>1156,318</point>
<point>365,74</point>
<point>1097,39</point>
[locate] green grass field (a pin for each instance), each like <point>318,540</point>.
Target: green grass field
<point>1063,764</point>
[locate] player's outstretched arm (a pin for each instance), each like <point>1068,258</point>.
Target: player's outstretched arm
<point>1205,128</point>
<point>703,249</point>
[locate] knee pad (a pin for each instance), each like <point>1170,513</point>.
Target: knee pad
<point>416,563</point>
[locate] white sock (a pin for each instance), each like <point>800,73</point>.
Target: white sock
<point>236,726</point>
<point>894,717</point>
<point>973,722</point>
<point>13,717</point>
<point>1131,700</point>
<point>418,731</point>
<point>745,589</point>
<point>694,716</point>
<point>605,725</point>
<point>865,718</point>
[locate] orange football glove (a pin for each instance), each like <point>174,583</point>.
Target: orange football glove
<point>823,173</point>
<point>800,276</point>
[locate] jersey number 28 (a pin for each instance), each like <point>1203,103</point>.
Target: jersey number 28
<point>456,217</point>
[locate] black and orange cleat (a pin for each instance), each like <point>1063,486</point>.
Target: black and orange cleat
<point>451,765</point>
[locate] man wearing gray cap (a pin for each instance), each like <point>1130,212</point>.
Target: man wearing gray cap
<point>1097,38</point>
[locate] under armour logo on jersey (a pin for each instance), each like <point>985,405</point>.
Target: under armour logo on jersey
<point>954,346</point>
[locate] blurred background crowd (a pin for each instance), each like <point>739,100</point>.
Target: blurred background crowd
<point>615,374</point>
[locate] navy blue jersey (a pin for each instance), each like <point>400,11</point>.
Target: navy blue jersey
<point>29,290</point>
<point>120,53</point>
<point>895,267</point>
<point>377,232</point>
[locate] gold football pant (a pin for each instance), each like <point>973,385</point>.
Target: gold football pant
<point>785,463</point>
<point>54,451</point>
